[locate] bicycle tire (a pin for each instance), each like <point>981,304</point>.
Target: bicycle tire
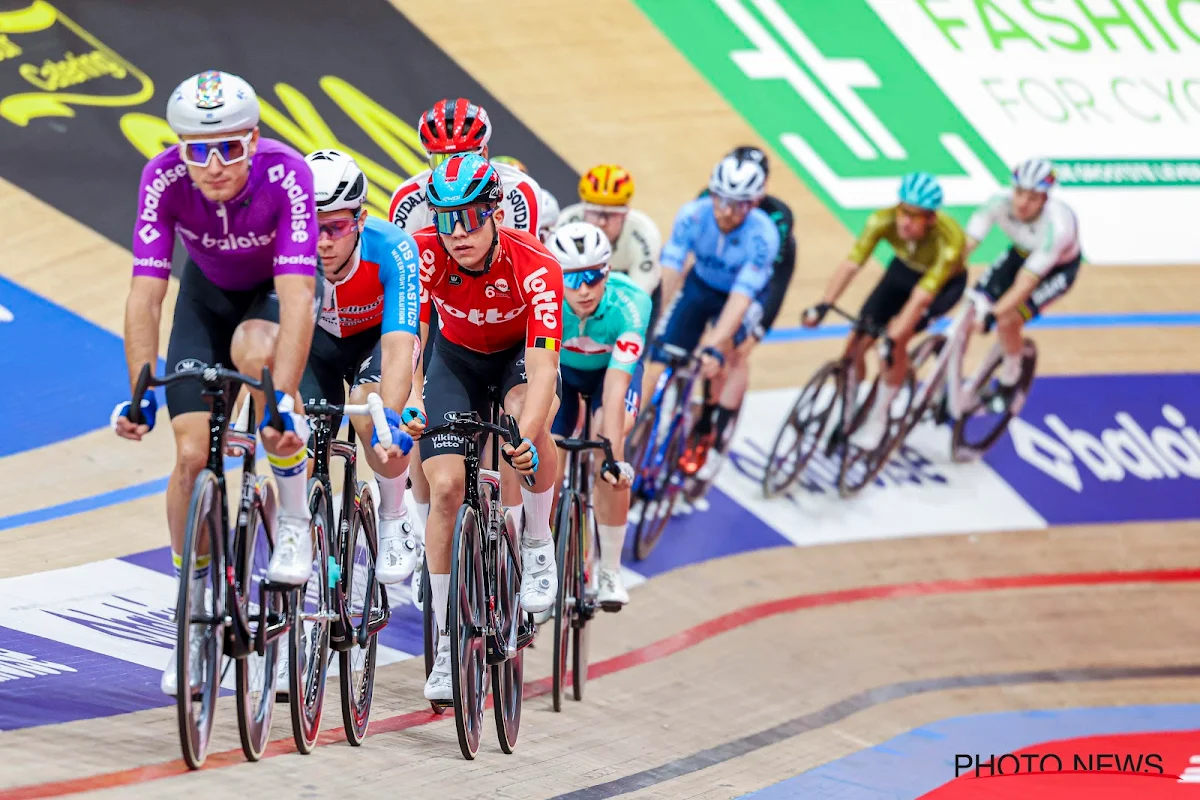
<point>508,676</point>
<point>874,460</point>
<point>306,678</point>
<point>358,693</point>
<point>587,558</point>
<point>204,516</point>
<point>255,716</point>
<point>774,468</point>
<point>429,630</point>
<point>647,536</point>
<point>468,661</point>
<point>563,606</point>
<point>963,451</point>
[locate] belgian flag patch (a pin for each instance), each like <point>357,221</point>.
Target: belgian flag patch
<point>546,343</point>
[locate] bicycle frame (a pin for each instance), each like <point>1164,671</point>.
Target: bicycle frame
<point>654,453</point>
<point>947,378</point>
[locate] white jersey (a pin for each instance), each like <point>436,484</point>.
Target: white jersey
<point>1050,240</point>
<point>636,250</point>
<point>521,203</point>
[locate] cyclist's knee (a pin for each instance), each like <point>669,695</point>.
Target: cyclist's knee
<point>253,345</point>
<point>358,395</point>
<point>191,444</point>
<point>446,482</point>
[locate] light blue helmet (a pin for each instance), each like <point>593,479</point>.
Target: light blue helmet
<point>463,180</point>
<point>921,189</point>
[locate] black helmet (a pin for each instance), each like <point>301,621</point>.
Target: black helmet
<point>750,153</point>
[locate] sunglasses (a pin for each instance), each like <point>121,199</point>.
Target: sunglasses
<point>736,206</point>
<point>437,158</point>
<point>598,215</point>
<point>588,277</point>
<point>471,218</point>
<point>338,228</point>
<point>199,152</point>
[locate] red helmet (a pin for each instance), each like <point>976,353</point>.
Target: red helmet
<point>454,126</point>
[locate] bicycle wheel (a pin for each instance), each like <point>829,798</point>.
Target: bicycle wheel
<point>564,603</point>
<point>429,629</point>
<point>987,416</point>
<point>256,673</point>
<point>859,466</point>
<point>587,560</point>
<point>508,676</point>
<point>468,661</point>
<point>199,615</point>
<point>800,435</point>
<point>308,653</point>
<point>364,601</point>
<point>660,498</point>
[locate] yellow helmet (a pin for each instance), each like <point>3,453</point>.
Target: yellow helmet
<point>606,185</point>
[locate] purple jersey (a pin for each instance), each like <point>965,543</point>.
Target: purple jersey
<point>269,229</point>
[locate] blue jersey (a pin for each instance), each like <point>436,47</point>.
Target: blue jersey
<point>382,289</point>
<point>739,262</point>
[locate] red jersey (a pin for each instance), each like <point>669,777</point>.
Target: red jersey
<point>520,297</point>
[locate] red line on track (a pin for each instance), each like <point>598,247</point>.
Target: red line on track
<point>642,655</point>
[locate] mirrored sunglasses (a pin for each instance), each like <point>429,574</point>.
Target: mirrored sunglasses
<point>588,277</point>
<point>199,152</point>
<point>471,218</point>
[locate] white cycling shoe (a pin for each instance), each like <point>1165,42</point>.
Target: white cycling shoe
<point>539,575</point>
<point>439,686</point>
<point>399,553</point>
<point>291,562</point>
<point>612,588</point>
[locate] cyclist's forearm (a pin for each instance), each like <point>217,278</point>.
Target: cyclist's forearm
<point>671,281</point>
<point>612,422</point>
<point>1018,293</point>
<point>143,313</point>
<point>728,323</point>
<point>902,325</point>
<point>295,330</point>
<point>840,279</point>
<point>396,381</point>
<point>541,371</point>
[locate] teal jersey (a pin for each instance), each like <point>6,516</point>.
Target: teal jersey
<point>614,336</point>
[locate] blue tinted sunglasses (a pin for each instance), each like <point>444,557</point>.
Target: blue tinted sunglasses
<point>472,219</point>
<point>198,152</point>
<point>589,277</point>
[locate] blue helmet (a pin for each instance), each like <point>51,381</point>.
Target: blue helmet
<point>922,190</point>
<point>464,180</point>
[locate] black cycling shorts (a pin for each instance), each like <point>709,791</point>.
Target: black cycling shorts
<point>893,290</point>
<point>457,380</point>
<point>999,278</point>
<point>206,317</point>
<point>776,290</point>
<point>334,363</point>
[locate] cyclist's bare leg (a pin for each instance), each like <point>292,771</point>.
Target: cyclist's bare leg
<point>191,456</point>
<point>446,490</point>
<point>612,517</point>
<point>252,348</point>
<point>392,480</point>
<point>1009,328</point>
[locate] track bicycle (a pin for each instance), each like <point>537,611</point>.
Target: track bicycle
<point>831,407</point>
<point>233,611</point>
<point>344,606</point>
<point>978,412</point>
<point>657,441</point>
<point>486,624</point>
<point>578,557</point>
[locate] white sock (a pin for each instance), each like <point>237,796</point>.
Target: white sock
<point>423,513</point>
<point>291,481</point>
<point>883,403</point>
<point>612,539</point>
<point>537,513</point>
<point>441,599</point>
<point>391,496</point>
<point>1010,369</point>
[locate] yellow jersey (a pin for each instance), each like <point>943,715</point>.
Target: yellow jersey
<point>937,258</point>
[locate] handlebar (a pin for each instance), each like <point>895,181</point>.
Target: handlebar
<point>579,445</point>
<point>212,378</point>
<point>873,330</point>
<point>372,408</point>
<point>469,424</point>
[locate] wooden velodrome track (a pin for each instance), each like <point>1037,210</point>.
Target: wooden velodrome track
<point>678,687</point>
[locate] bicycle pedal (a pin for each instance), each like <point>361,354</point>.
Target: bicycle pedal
<point>282,588</point>
<point>612,608</point>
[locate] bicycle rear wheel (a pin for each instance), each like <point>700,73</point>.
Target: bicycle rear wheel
<point>508,676</point>
<point>800,435</point>
<point>468,662</point>
<point>256,673</point>
<point>365,604</point>
<point>429,631</point>
<point>587,561</point>
<point>568,593</point>
<point>308,653</point>
<point>659,499</point>
<point>977,430</point>
<point>204,602</point>
<point>859,467</point>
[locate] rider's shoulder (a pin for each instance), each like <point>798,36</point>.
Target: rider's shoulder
<point>948,228</point>
<point>777,208</point>
<point>695,210</point>
<point>523,245</point>
<point>622,285</point>
<point>511,176</point>
<point>640,219</point>
<point>760,222</point>
<point>572,213</point>
<point>381,235</point>
<point>277,160</point>
<point>881,219</point>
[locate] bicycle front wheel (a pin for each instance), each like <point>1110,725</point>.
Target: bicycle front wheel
<point>256,673</point>
<point>308,654</point>
<point>508,676</point>
<point>468,662</point>
<point>564,603</point>
<point>587,565</point>
<point>800,435</point>
<point>365,607</point>
<point>986,419</point>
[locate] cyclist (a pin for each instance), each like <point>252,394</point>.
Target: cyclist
<point>924,280</point>
<point>499,299</point>
<point>734,245</point>
<point>604,334</point>
<point>367,337</point>
<point>455,127</point>
<point>1038,268</point>
<point>604,193</point>
<point>243,206</point>
<point>548,210</point>
<point>715,417</point>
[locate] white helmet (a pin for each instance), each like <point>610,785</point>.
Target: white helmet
<point>337,181</point>
<point>579,246</point>
<point>1036,174</point>
<point>738,179</point>
<point>212,102</point>
<point>548,212</point>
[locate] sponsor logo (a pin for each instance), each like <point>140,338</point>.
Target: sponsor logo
<point>545,304</point>
<point>411,202</point>
<point>189,364</point>
<point>152,192</point>
<point>495,290</point>
<point>300,203</point>
<point>628,348</point>
<point>153,263</point>
<point>455,279</point>
<point>303,261</point>
<point>520,209</point>
<point>476,316</point>
<point>232,241</point>
<point>14,665</point>
<point>443,441</point>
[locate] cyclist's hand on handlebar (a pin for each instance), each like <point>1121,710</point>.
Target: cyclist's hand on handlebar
<point>413,420</point>
<point>887,350</point>
<point>711,361</point>
<point>618,473</point>
<point>401,442</point>
<point>295,427</point>
<point>524,457</point>
<point>812,316</point>
<point>126,429</point>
